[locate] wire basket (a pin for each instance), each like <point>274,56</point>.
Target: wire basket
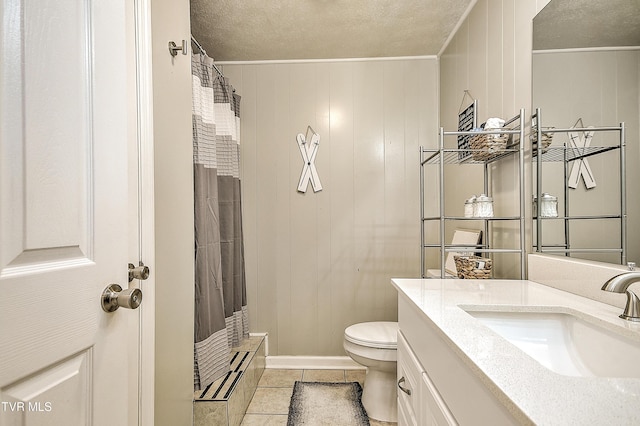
<point>487,146</point>
<point>473,267</point>
<point>547,138</point>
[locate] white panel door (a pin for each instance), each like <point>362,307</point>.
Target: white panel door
<point>63,218</point>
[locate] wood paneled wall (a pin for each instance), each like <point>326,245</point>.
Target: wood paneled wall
<point>318,262</point>
<point>490,55</point>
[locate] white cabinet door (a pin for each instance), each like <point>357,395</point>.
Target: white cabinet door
<point>63,212</point>
<point>419,402</point>
<point>409,376</point>
<point>434,409</point>
<point>403,417</point>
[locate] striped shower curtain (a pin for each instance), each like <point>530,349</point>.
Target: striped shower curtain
<point>221,320</point>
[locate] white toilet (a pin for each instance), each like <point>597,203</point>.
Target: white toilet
<point>374,345</point>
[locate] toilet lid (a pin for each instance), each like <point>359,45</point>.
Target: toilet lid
<point>379,334</point>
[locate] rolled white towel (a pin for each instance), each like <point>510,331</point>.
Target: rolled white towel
<point>494,123</point>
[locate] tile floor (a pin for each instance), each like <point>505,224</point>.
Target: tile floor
<point>270,403</point>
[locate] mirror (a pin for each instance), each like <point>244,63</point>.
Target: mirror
<point>586,56</point>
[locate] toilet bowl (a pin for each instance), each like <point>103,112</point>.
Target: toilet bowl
<point>374,345</point>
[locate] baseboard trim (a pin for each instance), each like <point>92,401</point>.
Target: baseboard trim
<point>266,341</point>
<point>313,362</point>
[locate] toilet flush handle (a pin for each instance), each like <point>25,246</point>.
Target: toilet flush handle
<point>405,390</point>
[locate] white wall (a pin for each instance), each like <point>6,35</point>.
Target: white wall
<point>490,55</point>
<point>173,180</point>
<point>318,262</point>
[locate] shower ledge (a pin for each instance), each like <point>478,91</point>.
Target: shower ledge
<point>225,401</point>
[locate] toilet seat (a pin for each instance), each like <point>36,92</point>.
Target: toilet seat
<point>378,334</point>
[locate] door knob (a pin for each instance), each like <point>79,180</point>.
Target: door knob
<point>114,297</point>
<point>138,272</point>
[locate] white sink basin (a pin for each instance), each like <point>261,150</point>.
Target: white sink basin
<point>565,343</point>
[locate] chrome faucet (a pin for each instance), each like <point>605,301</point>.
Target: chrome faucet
<point>620,284</point>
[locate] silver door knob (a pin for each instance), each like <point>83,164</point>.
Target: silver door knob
<point>114,297</point>
<point>139,273</point>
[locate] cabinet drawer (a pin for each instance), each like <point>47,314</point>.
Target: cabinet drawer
<point>409,377</point>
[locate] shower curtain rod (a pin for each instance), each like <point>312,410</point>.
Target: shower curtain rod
<point>199,46</point>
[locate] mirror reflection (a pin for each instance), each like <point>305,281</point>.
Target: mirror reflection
<point>586,56</point>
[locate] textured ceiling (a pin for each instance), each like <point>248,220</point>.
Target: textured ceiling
<point>250,30</point>
<point>565,24</point>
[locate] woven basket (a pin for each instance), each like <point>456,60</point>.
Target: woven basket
<point>485,147</point>
<point>546,141</point>
<point>473,267</point>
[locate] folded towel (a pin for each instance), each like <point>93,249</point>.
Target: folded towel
<point>494,123</point>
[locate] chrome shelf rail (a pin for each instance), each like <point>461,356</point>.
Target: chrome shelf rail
<point>567,154</point>
<point>440,156</point>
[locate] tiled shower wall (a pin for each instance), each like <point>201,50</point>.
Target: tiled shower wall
<point>318,262</point>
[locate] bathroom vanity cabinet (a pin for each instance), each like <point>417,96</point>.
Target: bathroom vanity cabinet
<point>444,221</point>
<point>461,369</point>
<point>442,390</point>
<point>575,158</point>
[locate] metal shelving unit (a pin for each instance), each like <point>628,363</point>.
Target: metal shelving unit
<point>567,154</point>
<point>442,156</point>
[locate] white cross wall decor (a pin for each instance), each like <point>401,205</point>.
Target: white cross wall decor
<point>581,167</point>
<point>309,150</point>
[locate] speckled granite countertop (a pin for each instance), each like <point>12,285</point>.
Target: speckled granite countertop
<point>520,382</point>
